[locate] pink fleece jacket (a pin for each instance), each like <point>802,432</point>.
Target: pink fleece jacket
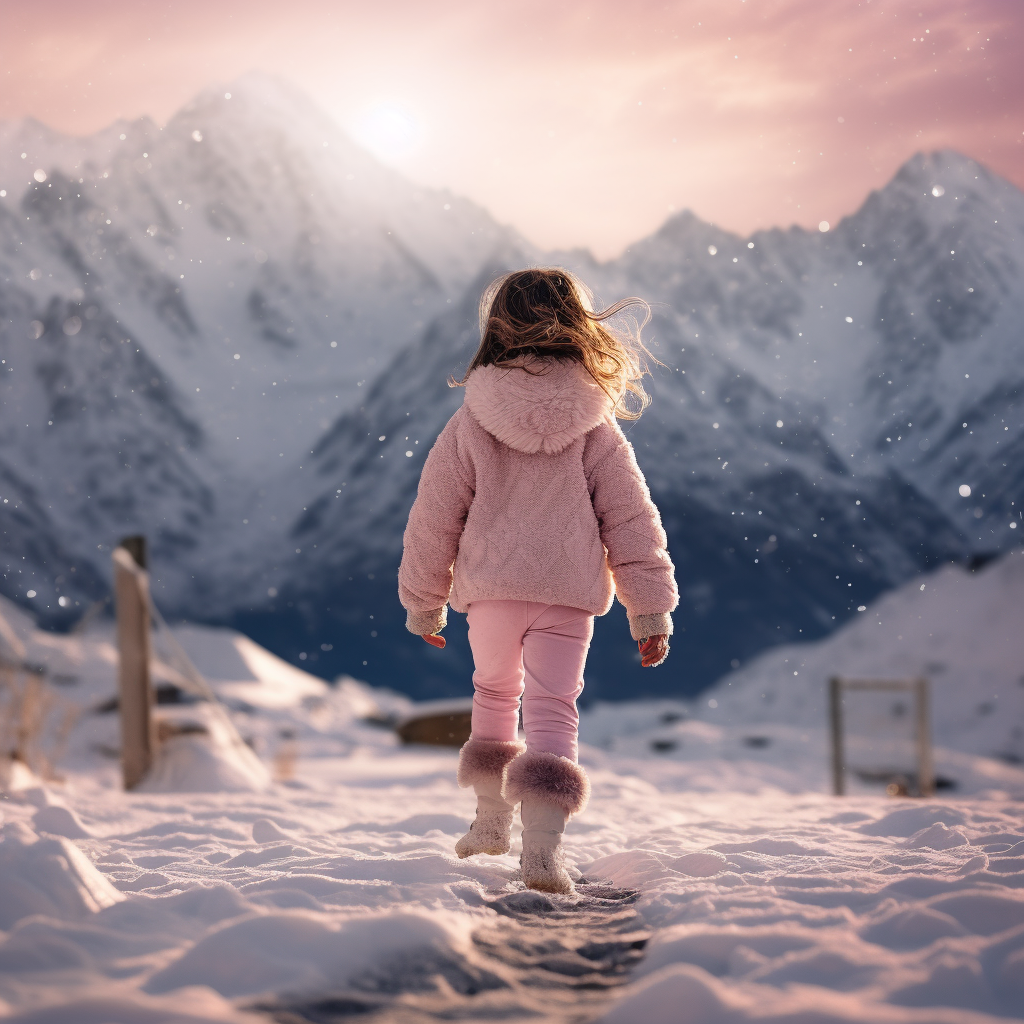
<point>532,493</point>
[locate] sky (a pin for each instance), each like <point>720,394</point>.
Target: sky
<point>579,123</point>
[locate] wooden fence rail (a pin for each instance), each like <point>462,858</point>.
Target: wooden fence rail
<point>837,686</point>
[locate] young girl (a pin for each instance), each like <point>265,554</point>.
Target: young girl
<point>531,515</point>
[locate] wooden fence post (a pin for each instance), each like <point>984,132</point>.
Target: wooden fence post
<point>835,715</point>
<point>131,592</point>
<point>925,760</point>
<point>30,712</point>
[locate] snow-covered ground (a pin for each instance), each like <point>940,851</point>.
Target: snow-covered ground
<point>720,881</point>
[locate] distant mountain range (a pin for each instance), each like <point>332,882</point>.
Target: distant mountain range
<point>234,334</point>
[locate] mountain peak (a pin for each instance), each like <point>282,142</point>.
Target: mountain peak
<point>944,168</point>
<point>259,101</point>
<point>259,90</point>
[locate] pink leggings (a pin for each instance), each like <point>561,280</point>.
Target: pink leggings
<point>535,652</point>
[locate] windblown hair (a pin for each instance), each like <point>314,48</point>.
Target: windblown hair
<point>547,313</point>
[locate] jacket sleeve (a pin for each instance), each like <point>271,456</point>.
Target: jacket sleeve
<point>434,530</point>
<point>632,534</point>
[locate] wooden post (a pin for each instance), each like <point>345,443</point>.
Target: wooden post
<point>835,714</point>
<point>131,592</point>
<point>136,547</point>
<point>30,717</point>
<point>925,764</point>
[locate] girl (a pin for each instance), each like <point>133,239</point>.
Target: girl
<point>531,514</point>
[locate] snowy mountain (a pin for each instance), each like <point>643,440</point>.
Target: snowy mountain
<point>894,329</point>
<point>238,363</point>
<point>200,301</point>
<point>805,445</point>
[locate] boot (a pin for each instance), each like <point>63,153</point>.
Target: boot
<point>551,789</point>
<point>482,765</point>
<point>543,859</point>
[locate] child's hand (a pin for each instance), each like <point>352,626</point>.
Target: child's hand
<point>433,639</point>
<point>653,650</point>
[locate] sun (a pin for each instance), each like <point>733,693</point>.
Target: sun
<point>389,131</point>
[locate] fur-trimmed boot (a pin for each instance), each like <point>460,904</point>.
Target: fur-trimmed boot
<point>482,765</point>
<point>551,789</point>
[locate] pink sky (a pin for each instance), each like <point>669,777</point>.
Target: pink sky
<point>579,123</point>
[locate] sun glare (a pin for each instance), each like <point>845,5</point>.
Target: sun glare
<point>388,131</point>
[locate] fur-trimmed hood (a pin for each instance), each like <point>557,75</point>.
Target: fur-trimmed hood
<point>541,409</point>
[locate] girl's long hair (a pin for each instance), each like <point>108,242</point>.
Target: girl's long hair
<point>548,313</point>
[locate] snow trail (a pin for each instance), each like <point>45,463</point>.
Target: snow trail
<point>543,958</point>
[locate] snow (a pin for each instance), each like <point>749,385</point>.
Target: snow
<point>346,883</point>
<point>48,876</point>
<point>212,761</point>
<point>882,926</point>
<point>241,670</point>
<point>719,881</point>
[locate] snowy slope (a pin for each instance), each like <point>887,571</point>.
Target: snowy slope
<point>767,720</point>
<point>957,628</point>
